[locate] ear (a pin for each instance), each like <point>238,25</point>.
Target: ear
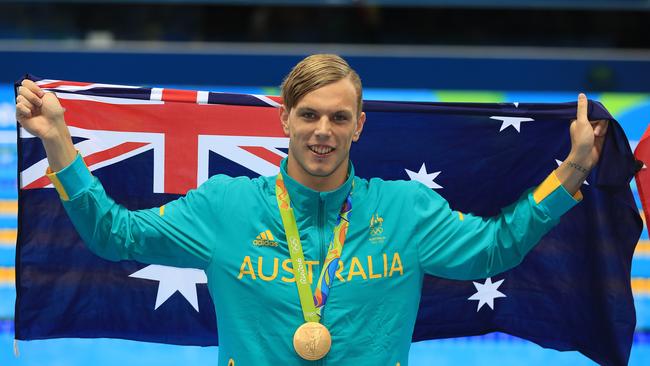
<point>284,119</point>
<point>360,122</point>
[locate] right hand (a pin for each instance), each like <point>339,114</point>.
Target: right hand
<point>40,113</point>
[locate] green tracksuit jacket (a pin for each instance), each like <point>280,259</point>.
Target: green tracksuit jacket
<point>231,228</point>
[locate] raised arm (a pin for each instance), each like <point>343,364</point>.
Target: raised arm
<point>464,246</point>
<point>174,234</point>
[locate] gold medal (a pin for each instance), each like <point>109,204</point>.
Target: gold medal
<point>312,341</point>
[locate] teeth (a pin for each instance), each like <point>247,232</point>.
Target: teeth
<point>321,149</point>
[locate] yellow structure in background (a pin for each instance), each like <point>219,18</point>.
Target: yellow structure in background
<point>642,249</point>
<point>8,207</point>
<point>7,276</point>
<point>8,237</point>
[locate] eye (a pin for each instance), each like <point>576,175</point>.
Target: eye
<point>340,117</point>
<point>308,115</point>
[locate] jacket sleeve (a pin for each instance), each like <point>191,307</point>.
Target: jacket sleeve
<point>463,246</point>
<point>176,234</point>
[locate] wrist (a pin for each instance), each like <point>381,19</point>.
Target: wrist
<point>579,163</point>
<point>582,159</point>
<point>55,137</point>
<point>58,131</point>
<point>59,148</point>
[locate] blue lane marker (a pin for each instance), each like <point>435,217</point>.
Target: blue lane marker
<point>7,256</point>
<point>7,301</point>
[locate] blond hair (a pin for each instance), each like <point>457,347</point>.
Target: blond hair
<point>314,72</point>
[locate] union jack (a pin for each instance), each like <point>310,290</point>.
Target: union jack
<point>127,121</point>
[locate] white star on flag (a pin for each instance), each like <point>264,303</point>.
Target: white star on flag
<point>172,279</point>
<point>559,162</point>
<point>515,122</point>
<point>486,293</point>
<point>423,177</point>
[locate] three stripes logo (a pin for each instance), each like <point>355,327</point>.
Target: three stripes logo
<point>265,239</point>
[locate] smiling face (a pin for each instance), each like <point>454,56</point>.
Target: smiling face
<point>321,127</point>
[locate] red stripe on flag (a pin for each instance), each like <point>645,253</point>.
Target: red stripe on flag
<point>642,153</point>
<point>113,152</point>
<point>175,95</point>
<point>264,153</point>
<point>59,83</point>
<point>93,159</point>
<point>38,183</point>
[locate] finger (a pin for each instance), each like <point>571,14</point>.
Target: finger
<point>24,101</point>
<point>33,87</point>
<point>22,112</point>
<point>29,95</point>
<point>582,108</point>
<point>600,127</point>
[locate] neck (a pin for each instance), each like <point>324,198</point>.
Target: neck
<point>317,183</point>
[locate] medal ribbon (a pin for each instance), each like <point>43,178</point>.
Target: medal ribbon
<point>312,304</point>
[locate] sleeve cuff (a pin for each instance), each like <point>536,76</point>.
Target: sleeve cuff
<point>71,180</point>
<point>554,197</point>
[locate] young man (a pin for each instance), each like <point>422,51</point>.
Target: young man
<point>314,289</point>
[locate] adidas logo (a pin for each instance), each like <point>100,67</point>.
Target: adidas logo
<point>265,239</point>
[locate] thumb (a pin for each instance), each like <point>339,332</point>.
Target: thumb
<point>582,108</point>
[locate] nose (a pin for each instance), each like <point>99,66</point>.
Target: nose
<point>323,127</point>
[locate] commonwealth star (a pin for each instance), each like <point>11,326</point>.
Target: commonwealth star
<point>486,293</point>
<point>423,177</point>
<point>172,279</point>
<point>515,122</point>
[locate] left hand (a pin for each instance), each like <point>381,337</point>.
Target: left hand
<point>587,137</point>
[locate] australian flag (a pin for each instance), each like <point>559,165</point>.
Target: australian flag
<point>150,145</point>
